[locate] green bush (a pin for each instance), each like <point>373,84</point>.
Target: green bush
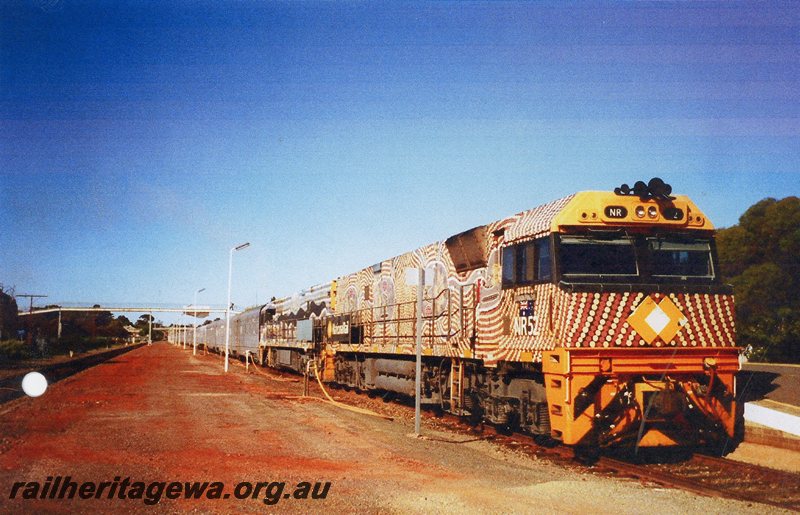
<point>15,350</point>
<point>79,344</point>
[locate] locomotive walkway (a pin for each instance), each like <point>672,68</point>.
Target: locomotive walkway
<point>158,415</point>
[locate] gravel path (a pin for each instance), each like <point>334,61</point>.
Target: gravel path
<point>159,414</point>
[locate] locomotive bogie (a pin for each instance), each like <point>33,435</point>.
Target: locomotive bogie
<point>292,359</point>
<point>511,395</point>
<point>390,374</point>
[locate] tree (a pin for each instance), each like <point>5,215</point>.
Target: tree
<point>144,320</point>
<point>143,325</point>
<point>761,257</point>
<point>104,318</point>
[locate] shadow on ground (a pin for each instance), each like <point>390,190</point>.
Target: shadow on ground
<point>753,385</point>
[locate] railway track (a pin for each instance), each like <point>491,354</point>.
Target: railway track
<point>697,473</point>
<point>720,477</point>
<point>10,386</point>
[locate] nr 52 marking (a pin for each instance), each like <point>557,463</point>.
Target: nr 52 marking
<point>523,322</point>
<point>525,326</point>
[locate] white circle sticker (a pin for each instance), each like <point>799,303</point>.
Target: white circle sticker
<point>34,384</point>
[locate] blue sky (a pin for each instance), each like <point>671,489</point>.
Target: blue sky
<point>139,142</point>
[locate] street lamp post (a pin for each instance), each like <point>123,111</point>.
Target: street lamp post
<point>194,338</point>
<point>228,305</point>
<point>183,331</point>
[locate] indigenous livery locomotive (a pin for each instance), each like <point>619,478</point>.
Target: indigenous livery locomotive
<point>597,320</point>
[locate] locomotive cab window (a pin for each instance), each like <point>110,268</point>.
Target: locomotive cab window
<point>671,258</point>
<point>544,269</point>
<point>665,258</point>
<point>526,263</point>
<point>602,257</point>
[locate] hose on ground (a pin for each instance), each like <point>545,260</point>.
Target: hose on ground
<point>272,377</point>
<point>342,405</point>
<point>330,399</point>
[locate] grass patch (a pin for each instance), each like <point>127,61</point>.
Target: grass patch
<point>20,350</point>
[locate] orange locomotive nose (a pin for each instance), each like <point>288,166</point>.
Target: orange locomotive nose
<point>610,397</point>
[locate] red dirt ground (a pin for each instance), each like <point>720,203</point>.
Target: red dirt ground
<point>159,414</point>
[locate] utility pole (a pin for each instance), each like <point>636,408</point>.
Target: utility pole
<point>228,308</point>
<point>420,329</point>
<point>194,337</point>
<point>31,296</point>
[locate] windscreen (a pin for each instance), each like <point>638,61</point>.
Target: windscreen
<point>680,258</point>
<point>635,258</point>
<point>584,256</point>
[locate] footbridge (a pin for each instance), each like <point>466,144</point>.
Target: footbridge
<point>195,311</point>
<point>192,311</point>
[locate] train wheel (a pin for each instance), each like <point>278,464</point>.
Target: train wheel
<point>435,409</point>
<point>510,426</point>
<point>719,447</point>
<point>475,416</point>
<point>545,441</point>
<point>586,455</point>
<point>504,429</point>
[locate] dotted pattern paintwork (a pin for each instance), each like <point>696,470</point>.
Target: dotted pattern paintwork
<point>473,317</point>
<point>600,320</point>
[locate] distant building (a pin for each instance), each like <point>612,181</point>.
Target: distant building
<point>133,333</point>
<point>9,319</point>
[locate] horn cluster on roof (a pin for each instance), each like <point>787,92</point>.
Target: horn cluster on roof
<point>656,189</point>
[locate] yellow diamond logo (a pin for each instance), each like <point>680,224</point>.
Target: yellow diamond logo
<point>657,320</point>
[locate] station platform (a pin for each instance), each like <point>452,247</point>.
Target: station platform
<point>771,397</point>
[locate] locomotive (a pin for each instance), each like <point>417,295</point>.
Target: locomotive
<point>598,320</point>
